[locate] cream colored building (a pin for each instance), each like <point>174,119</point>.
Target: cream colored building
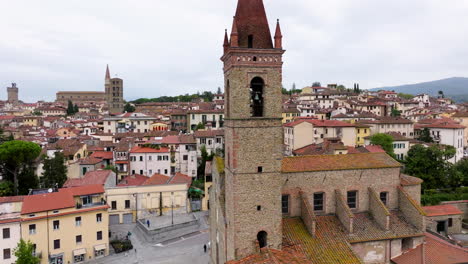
<point>10,227</point>
<point>68,226</point>
<point>138,197</point>
<point>462,118</point>
<point>128,122</point>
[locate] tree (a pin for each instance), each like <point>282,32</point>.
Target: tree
<point>24,253</point>
<point>112,168</point>
<point>6,188</point>
<point>462,168</point>
<point>426,136</point>
<point>204,158</point>
<point>405,96</point>
<point>200,126</point>
<point>55,171</point>
<point>441,94</point>
<point>385,141</point>
<point>76,109</point>
<point>395,112</point>
<point>341,88</point>
<point>431,165</point>
<point>70,108</point>
<point>129,108</point>
<point>316,84</point>
<point>17,157</point>
<point>37,113</point>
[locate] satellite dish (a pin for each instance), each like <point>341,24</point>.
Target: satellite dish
<point>50,190</point>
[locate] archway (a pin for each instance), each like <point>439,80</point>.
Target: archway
<point>262,239</point>
<point>256,96</point>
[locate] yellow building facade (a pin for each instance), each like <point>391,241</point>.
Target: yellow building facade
<point>68,226</point>
<point>362,131</point>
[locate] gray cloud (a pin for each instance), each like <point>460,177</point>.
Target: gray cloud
<point>173,47</point>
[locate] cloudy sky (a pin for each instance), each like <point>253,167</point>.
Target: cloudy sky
<point>170,47</point>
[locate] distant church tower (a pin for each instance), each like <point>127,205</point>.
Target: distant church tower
<point>114,93</point>
<point>253,133</point>
<point>12,94</point>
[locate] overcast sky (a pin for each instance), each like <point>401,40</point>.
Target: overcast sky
<point>170,47</point>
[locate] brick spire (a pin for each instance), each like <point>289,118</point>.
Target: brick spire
<point>226,41</point>
<point>107,72</point>
<point>251,20</point>
<point>278,36</point>
<point>234,34</point>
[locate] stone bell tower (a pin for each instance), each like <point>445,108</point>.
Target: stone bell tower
<point>253,132</point>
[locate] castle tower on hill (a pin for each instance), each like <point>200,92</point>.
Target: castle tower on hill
<point>113,93</point>
<point>253,132</point>
<point>12,94</point>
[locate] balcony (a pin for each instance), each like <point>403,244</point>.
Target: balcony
<point>90,205</point>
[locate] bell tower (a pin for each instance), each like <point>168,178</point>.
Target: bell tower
<point>253,132</point>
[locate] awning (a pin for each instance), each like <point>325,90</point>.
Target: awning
<point>78,252</point>
<point>100,247</point>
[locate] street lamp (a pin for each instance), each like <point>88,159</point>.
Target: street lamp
<point>172,208</point>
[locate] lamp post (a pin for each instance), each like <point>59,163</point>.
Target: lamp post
<point>172,208</point>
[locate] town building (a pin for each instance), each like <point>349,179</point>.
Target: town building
<point>150,160</point>
<point>10,227</point>
<point>13,94</point>
<point>268,208</point>
<point>67,226</point>
<point>213,118</point>
<point>128,122</point>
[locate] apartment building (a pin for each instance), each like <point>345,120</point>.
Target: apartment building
<point>402,126</point>
<point>214,117</point>
<point>67,226</point>
<point>10,227</point>
<point>150,160</point>
<point>183,154</point>
<point>128,122</point>
<point>213,140</point>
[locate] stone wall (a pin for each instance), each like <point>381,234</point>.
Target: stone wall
<point>307,214</point>
<point>411,210</point>
<point>456,227</point>
<point>461,205</point>
<point>343,212</point>
<point>381,180</point>
<point>371,252</point>
<point>414,191</point>
<point>378,210</point>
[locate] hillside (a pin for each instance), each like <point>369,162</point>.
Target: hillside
<point>455,88</point>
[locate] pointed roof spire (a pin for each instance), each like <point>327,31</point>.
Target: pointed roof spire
<point>107,72</point>
<point>278,36</point>
<point>252,25</point>
<point>234,34</point>
<point>226,41</point>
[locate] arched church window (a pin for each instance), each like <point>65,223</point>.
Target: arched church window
<point>256,96</point>
<point>250,44</point>
<point>262,239</point>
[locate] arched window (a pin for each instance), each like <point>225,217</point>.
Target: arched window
<point>256,96</point>
<point>262,239</point>
<point>250,41</point>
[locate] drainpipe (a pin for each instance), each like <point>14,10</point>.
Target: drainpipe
<point>48,239</point>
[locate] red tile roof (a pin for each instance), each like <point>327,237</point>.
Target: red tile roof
<point>180,178</point>
<point>47,202</point>
<point>438,210</point>
<point>91,178</point>
<point>406,180</point>
<point>157,179</point>
<point>338,162</point>
<point>85,190</point>
<point>108,155</point>
<point>132,180</point>
<point>434,251</point>
<point>11,199</point>
<point>148,150</point>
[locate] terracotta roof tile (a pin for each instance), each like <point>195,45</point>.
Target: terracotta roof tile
<point>11,199</point>
<point>108,155</point>
<point>47,202</point>
<point>132,180</point>
<point>436,251</point>
<point>180,178</point>
<point>157,179</point>
<point>338,162</point>
<point>438,210</point>
<point>90,178</point>
<point>148,150</point>
<point>407,180</point>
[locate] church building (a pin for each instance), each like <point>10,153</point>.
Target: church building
<point>267,208</point>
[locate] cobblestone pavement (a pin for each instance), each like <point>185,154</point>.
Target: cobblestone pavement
<point>186,249</point>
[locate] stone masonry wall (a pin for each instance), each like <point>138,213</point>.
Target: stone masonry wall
<point>307,214</point>
<point>343,212</point>
<point>411,210</point>
<point>414,191</point>
<point>381,180</point>
<point>378,210</point>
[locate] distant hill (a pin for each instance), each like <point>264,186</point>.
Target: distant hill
<point>455,88</point>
